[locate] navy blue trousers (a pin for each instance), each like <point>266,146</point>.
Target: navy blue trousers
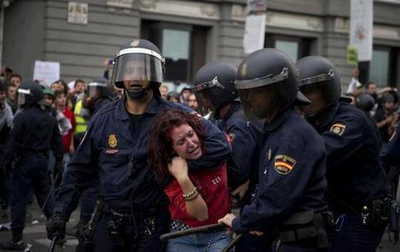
<point>352,235</point>
<point>31,174</point>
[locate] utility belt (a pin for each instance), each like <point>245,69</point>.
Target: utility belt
<point>375,213</point>
<point>129,219</point>
<point>117,222</point>
<point>308,225</point>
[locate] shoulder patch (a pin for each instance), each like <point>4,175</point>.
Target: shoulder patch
<point>338,128</point>
<point>284,164</point>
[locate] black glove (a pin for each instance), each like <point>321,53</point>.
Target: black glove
<point>56,226</point>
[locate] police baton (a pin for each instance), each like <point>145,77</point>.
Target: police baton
<point>49,194</point>
<point>202,229</point>
<point>53,242</point>
<point>232,243</point>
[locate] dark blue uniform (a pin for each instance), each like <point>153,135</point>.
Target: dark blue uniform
<point>243,164</point>
<point>114,151</point>
<point>33,134</point>
<point>355,174</point>
<point>89,197</point>
<point>244,137</point>
<point>291,175</point>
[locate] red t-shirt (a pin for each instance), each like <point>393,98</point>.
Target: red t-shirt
<point>213,187</point>
<point>66,139</point>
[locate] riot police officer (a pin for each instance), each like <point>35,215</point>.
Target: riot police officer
<point>292,157</point>
<point>33,134</point>
<point>98,95</point>
<point>114,151</point>
<point>216,93</point>
<point>356,180</point>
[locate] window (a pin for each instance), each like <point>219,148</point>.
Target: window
<point>383,66</point>
<point>295,47</point>
<point>289,47</point>
<point>182,45</point>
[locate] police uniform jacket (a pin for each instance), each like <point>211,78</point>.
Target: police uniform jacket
<point>354,170</point>
<point>114,150</point>
<point>291,174</point>
<point>244,137</point>
<point>35,131</point>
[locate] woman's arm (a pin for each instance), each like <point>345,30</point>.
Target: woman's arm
<point>195,205</point>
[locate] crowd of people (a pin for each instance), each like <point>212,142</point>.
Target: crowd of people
<point>270,150</point>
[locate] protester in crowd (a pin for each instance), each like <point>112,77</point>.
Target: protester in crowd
<point>386,117</point>
<point>192,102</point>
<point>357,183</point>
<point>184,91</point>
<point>114,153</point>
<point>6,122</point>
<point>5,73</point>
<point>355,87</point>
<point>78,92</point>
<point>11,97</point>
<point>15,79</point>
<point>164,91</point>
<point>67,138</point>
<point>173,97</point>
<point>196,198</point>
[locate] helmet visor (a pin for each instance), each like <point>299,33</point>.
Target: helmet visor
<point>137,67</point>
<point>92,91</point>
<point>22,93</point>
<point>204,102</point>
<point>264,102</point>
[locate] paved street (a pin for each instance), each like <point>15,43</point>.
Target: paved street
<point>35,235</point>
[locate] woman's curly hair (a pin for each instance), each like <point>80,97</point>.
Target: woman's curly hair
<point>160,152</point>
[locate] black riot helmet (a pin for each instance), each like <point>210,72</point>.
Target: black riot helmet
<point>98,88</point>
<point>29,93</point>
<point>365,102</point>
<point>214,86</point>
<point>318,74</point>
<point>138,61</point>
<point>268,73</point>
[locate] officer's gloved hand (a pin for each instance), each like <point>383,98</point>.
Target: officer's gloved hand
<point>56,226</point>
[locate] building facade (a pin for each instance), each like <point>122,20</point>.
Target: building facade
<point>81,34</point>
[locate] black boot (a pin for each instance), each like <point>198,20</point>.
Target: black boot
<point>16,242</point>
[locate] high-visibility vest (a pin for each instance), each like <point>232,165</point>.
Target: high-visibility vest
<point>81,123</point>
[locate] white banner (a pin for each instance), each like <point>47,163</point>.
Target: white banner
<point>254,30</point>
<point>361,28</point>
<point>46,72</point>
<point>254,33</point>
